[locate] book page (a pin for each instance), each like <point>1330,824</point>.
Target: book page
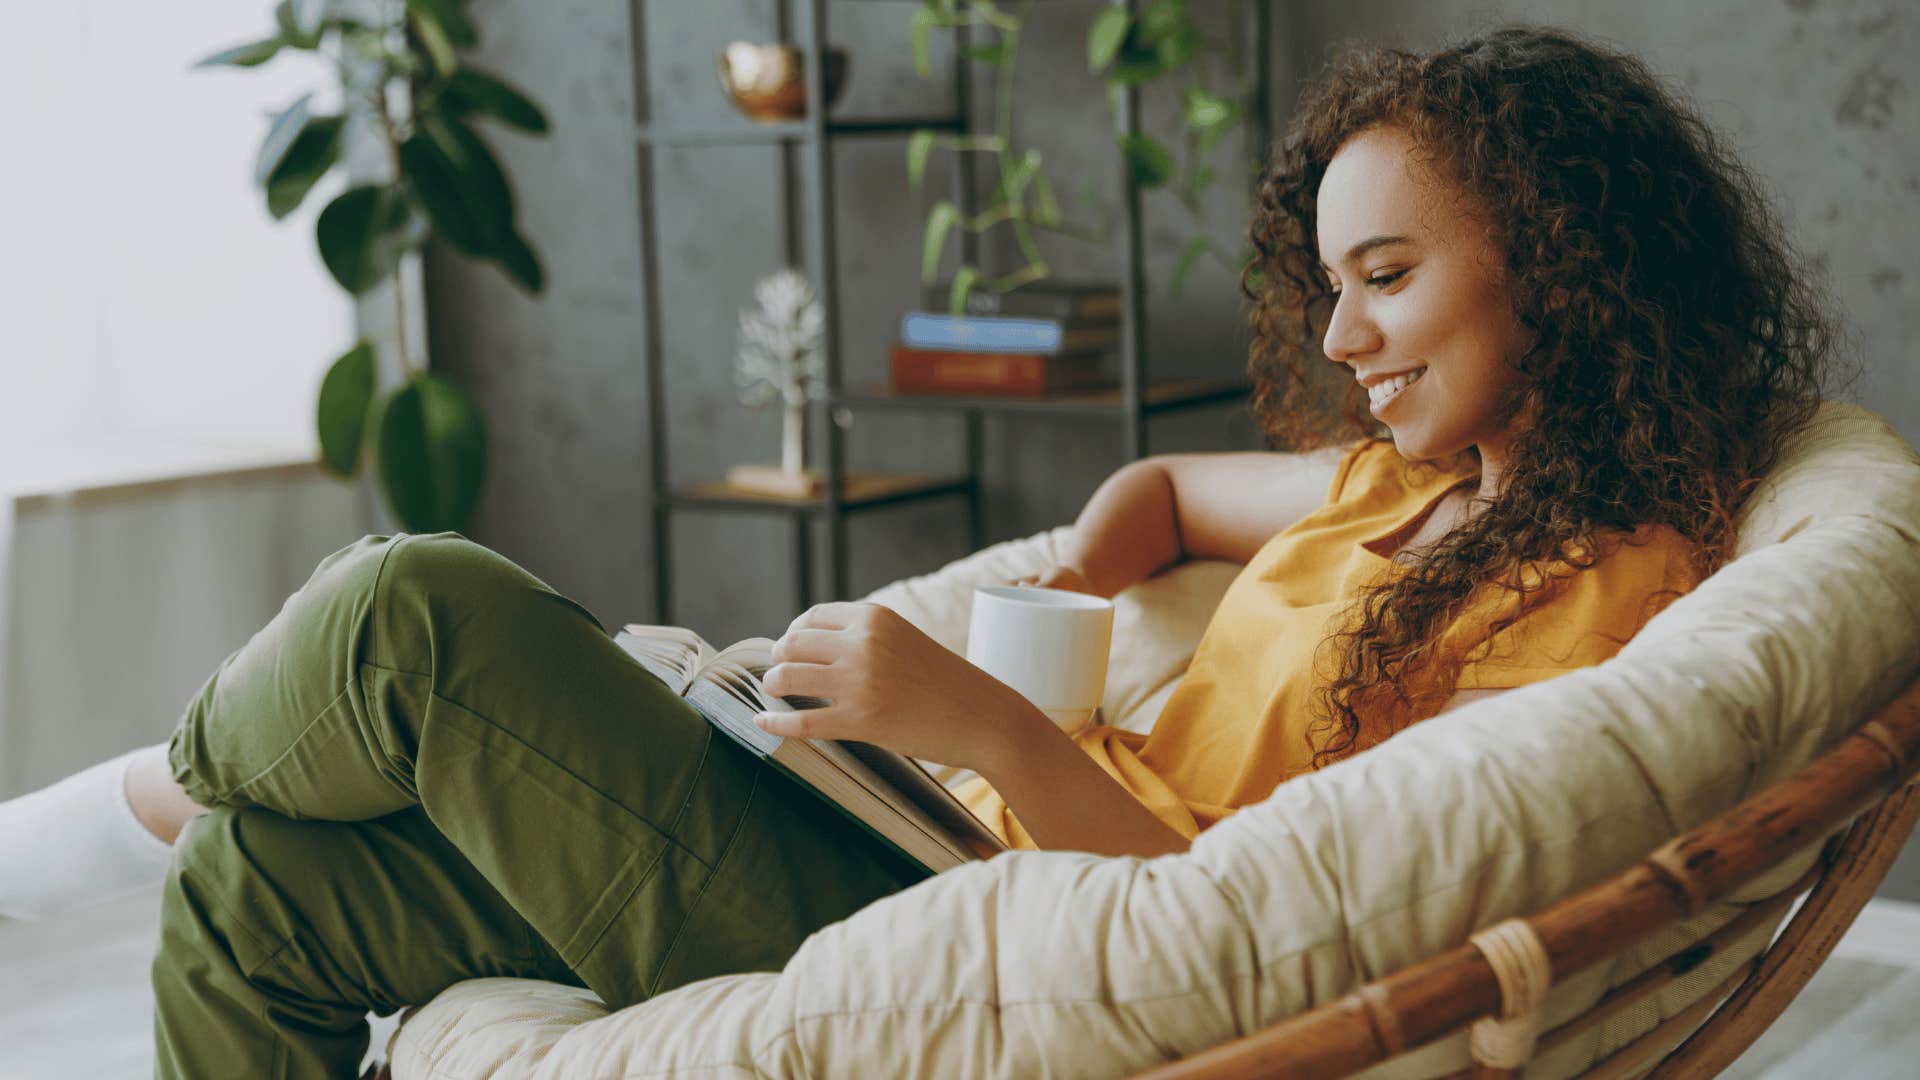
<point>911,779</point>
<point>673,653</point>
<point>730,697</point>
<point>725,686</point>
<point>899,779</point>
<point>732,715</point>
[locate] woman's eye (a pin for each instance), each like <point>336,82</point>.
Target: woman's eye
<point>1381,281</point>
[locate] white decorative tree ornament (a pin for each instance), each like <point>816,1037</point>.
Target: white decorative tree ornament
<point>781,357</point>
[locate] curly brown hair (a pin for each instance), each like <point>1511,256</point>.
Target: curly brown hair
<point>1673,343</point>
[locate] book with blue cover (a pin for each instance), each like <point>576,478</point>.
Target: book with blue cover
<point>986,333</point>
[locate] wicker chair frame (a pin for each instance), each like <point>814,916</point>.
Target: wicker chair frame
<point>1868,780</point>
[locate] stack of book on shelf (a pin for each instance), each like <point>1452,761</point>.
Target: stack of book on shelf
<point>1044,338</point>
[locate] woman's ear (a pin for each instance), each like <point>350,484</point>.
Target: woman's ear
<point>1556,299</point>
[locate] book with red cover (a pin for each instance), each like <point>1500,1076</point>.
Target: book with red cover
<point>937,371</point>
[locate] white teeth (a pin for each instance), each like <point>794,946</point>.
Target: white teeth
<point>1386,388</point>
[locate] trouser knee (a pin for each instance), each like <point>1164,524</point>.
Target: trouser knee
<point>257,974</point>
<point>221,895</point>
<point>435,574</point>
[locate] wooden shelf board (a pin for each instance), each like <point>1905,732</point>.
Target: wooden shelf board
<point>747,133</point>
<point>858,488</point>
<point>1160,395</point>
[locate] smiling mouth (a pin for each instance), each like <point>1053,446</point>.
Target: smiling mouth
<point>1387,389</point>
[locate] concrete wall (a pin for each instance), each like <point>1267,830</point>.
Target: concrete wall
<point>561,378</point>
<point>1812,92</point>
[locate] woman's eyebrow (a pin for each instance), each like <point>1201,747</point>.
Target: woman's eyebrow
<point>1371,243</point>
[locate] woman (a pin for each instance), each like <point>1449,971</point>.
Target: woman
<point>1566,304</point>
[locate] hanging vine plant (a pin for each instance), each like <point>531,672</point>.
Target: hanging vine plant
<point>401,82</point>
<point>1023,199</point>
<point>1162,42</point>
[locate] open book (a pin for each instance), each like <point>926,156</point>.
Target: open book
<point>888,793</point>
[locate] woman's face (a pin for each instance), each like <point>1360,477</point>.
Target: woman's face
<point>1421,313</point>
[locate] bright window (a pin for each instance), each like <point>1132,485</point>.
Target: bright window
<point>145,289</point>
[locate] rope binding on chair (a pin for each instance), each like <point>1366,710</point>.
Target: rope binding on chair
<point>1521,967</point>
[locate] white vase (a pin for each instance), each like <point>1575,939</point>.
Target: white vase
<point>793,441</point>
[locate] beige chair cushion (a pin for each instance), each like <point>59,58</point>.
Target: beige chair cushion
<point>1056,962</point>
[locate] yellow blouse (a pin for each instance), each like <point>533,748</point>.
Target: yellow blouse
<point>1237,724</point>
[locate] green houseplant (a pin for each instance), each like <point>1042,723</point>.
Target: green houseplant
<point>402,85</point>
<point>1162,42</point>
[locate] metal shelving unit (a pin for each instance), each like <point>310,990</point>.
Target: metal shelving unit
<point>1132,403</point>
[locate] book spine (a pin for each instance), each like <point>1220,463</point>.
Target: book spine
<point>864,825</point>
<point>920,371</point>
<point>921,330</point>
<point>781,767</point>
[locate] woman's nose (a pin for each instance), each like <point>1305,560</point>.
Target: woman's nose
<point>1350,334</point>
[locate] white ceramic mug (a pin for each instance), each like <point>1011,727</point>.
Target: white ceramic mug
<point>1051,645</point>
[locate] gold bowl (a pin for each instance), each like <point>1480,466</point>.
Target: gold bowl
<point>768,82</point>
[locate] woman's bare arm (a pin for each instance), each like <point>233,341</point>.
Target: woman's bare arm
<point>1163,510</point>
<point>1146,517</point>
<point>1064,800</point>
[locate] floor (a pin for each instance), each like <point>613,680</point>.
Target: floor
<point>74,1001</point>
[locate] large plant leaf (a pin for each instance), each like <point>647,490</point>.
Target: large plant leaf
<point>252,54</point>
<point>1206,112</point>
<point>433,454</point>
<point>1148,163</point>
<point>919,145</point>
<point>1019,175</point>
<point>963,282</point>
<point>346,395</point>
<point>1178,47</point>
<point>1138,60</point>
<point>1046,206</point>
<point>315,149</point>
<point>470,91</point>
<point>1162,19</point>
<point>940,221</point>
<point>300,22</point>
<point>460,186</point>
<point>451,18</point>
<point>433,41</point>
<point>1109,29</point>
<point>280,136</point>
<point>362,234</point>
<point>521,264</point>
<point>920,29</point>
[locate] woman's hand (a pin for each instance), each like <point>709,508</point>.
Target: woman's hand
<point>1059,576</point>
<point>893,686</point>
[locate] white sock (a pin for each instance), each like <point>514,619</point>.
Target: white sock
<point>76,844</point>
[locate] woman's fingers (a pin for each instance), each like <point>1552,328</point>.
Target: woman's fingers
<point>834,616</point>
<point>809,646</point>
<point>804,724</point>
<point>789,678</point>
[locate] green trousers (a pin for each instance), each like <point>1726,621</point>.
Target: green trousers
<point>431,767</point>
